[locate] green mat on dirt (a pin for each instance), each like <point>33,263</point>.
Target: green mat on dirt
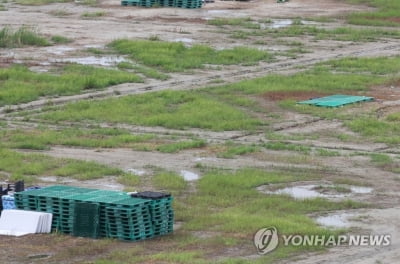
<point>336,100</point>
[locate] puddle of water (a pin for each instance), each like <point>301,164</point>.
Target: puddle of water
<point>337,220</point>
<point>300,192</point>
<point>95,46</point>
<point>60,50</point>
<point>280,23</point>
<point>189,176</point>
<point>205,159</point>
<point>92,60</point>
<point>311,191</point>
<point>39,256</point>
<point>220,11</point>
<point>184,40</point>
<point>136,172</point>
<point>360,190</point>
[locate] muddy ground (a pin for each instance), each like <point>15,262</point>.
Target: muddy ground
<point>190,26</point>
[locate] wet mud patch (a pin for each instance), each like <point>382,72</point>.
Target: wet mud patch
<point>387,92</point>
<point>385,111</point>
<point>336,220</point>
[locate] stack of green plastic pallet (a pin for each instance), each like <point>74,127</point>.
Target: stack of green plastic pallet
<point>164,3</point>
<point>130,219</point>
<point>99,213</point>
<point>188,3</point>
<point>162,216</point>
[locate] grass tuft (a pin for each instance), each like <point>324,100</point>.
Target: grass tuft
<point>60,39</point>
<point>24,36</point>
<point>93,14</point>
<point>178,146</point>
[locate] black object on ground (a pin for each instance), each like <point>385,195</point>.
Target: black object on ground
<point>151,195</point>
<point>19,186</point>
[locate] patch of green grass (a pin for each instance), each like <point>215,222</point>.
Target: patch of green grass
<point>394,117</point>
<point>293,52</point>
<point>279,145</point>
<point>385,162</point>
<point>238,34</point>
<point>93,14</point>
<point>379,130</point>
<point>381,159</point>
<point>316,80</point>
<point>175,56</point>
<point>169,181</point>
<point>84,170</point>
<point>20,85</point>
<point>28,166</point>
<point>235,150</point>
<point>3,8</point>
<point>60,39</point>
<point>146,71</point>
<point>129,179</point>
<point>24,36</point>
<point>376,66</point>
<point>40,139</point>
<point>171,109</point>
<point>151,73</point>
<point>178,146</point>
<point>327,153</point>
<point>386,15</point>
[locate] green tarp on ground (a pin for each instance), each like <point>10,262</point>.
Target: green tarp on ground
<point>336,100</point>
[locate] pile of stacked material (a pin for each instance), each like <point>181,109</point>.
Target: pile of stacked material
<point>21,222</point>
<point>162,214</point>
<point>100,213</point>
<point>164,3</point>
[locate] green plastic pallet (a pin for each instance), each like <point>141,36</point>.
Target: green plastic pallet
<point>336,100</point>
<point>86,220</point>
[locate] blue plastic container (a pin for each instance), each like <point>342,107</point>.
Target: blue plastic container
<point>8,202</point>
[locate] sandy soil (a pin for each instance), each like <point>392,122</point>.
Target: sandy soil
<point>175,24</point>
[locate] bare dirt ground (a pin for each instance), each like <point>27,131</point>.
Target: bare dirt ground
<point>176,25</point>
